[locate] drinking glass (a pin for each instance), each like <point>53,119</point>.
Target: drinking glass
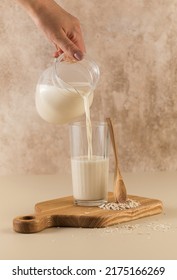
<point>89,162</point>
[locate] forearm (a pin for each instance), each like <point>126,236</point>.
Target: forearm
<point>31,6</point>
<point>35,8</point>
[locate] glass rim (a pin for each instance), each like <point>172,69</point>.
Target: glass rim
<point>84,124</point>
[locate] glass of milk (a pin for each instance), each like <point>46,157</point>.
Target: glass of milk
<point>61,87</point>
<point>89,162</point>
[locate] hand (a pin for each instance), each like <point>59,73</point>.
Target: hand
<point>63,30</point>
<point>60,27</point>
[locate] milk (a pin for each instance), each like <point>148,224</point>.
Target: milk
<point>88,125</point>
<point>59,105</point>
<point>90,178</point>
<point>90,172</point>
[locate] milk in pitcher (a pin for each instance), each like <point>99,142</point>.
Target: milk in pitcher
<point>60,105</point>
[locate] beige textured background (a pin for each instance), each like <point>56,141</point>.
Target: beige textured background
<point>135,44</point>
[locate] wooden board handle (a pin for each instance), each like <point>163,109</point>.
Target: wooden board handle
<point>32,223</point>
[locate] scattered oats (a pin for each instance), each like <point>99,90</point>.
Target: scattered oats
<point>108,230</point>
<point>145,228</point>
<point>159,227</point>
<point>120,206</point>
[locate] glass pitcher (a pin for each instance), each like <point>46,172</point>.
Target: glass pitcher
<point>61,87</point>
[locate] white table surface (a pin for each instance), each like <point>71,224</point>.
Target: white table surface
<point>150,238</point>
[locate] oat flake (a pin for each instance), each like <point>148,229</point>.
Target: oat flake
<point>120,206</point>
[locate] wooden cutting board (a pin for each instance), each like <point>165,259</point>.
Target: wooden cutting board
<point>62,212</point>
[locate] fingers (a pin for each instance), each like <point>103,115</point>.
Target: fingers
<point>73,48</point>
<point>72,54</point>
<point>70,49</point>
